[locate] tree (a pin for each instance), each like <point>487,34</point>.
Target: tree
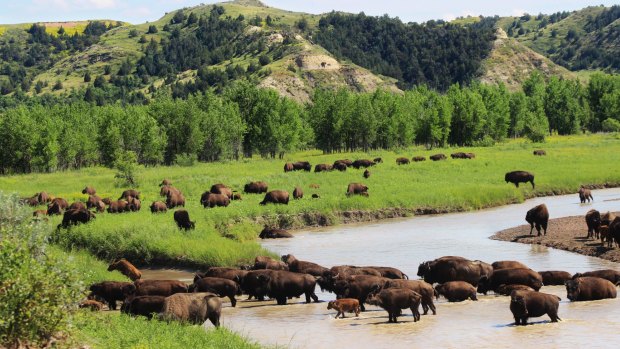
<point>133,33</point>
<point>153,29</point>
<point>264,60</point>
<point>100,81</point>
<point>87,76</point>
<point>61,31</point>
<point>302,24</point>
<point>125,165</point>
<point>57,86</point>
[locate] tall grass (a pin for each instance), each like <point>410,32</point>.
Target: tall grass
<point>226,236</point>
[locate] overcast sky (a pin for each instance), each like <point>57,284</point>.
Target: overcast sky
<point>140,11</point>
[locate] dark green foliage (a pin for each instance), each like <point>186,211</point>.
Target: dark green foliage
<point>435,54</point>
<point>57,86</point>
<point>133,33</point>
<point>152,29</point>
<point>87,77</point>
<point>264,60</point>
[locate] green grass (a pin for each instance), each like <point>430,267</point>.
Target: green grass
<point>110,330</point>
<point>226,236</point>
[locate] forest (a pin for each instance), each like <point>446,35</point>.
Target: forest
<point>49,135</point>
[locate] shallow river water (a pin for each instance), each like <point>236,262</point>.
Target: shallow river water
<point>405,243</point>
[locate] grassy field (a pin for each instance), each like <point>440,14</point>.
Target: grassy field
<point>227,236</point>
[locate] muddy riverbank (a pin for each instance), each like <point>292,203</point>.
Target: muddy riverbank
<point>567,233</point>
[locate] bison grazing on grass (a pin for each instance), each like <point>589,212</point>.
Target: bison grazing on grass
<point>276,197</point>
<point>126,268</point>
<point>527,304</point>
<point>323,168</point>
<point>298,193</point>
<point>437,157</point>
<point>110,291</point>
<point>393,300</point>
<point>418,158</point>
<point>585,195</point>
<point>165,182</point>
<point>517,177</point>
<point>89,191</point>
<point>539,217</point>
<point>221,189</point>
<point>366,174</point>
<point>209,199</point>
<point>402,161</point>
<point>194,308</point>
<point>118,206</point>
<point>340,166</point>
<point>345,305</point>
<point>57,206</point>
<point>181,217</point>
<point>130,193</point>
<point>158,206</point>
<point>357,189</point>
<point>540,152</point>
<point>255,188</point>
<point>362,163</point>
<point>288,167</point>
<point>175,200</point>
<point>75,217</point>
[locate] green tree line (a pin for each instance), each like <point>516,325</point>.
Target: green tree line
<point>42,136</point>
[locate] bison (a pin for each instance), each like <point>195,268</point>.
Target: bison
<point>608,274</point>
<point>220,286</point>
<point>168,190</point>
<point>78,205</point>
<point>126,268</point>
<point>110,291</point>
<point>75,217</point>
<point>366,174</point>
<point>437,157</point>
<point>422,287</point>
<point>288,167</point>
<point>518,276</point>
<point>276,197</point>
<point>154,288</point>
<point>181,217</point>
<point>593,221</point>
<point>323,168</point>
<point>165,182</point>
<point>539,217</point>
<point>402,161</point>
<point>255,188</point>
<point>130,193</point>
<point>393,300</point>
<point>175,200</point>
<point>517,177</point>
<point>221,189</point>
<point>194,308</point>
<point>555,277</point>
<point>302,165</point>
<point>303,267</point>
<point>271,233</point>
<point>89,190</point>
<point>457,291</point>
<point>508,265</point>
<point>357,189</point>
<point>526,304</point>
<point>585,195</point>
<point>345,305</point>
<point>614,232</point>
<point>209,199</point>
<point>158,206</point>
<point>362,163</point>
<point>589,288</point>
<point>281,285</point>
<point>506,290</point>
<point>453,268</point>
<point>57,206</point>
<point>265,262</point>
<point>143,305</point>
<point>540,152</point>
<point>91,304</point>
<point>298,193</point>
<point>377,160</point>
<point>418,158</point>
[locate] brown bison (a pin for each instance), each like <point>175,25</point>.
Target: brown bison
<point>457,291</point>
<point>134,205</point>
<point>346,162</point>
<point>75,217</point>
<point>527,304</point>
<point>323,168</point>
<point>393,300</point>
<point>303,267</point>
<point>517,177</point>
<point>345,305</point>
<point>110,291</point>
<point>422,287</point>
<point>316,196</point>
<point>418,158</point>
<point>143,305</point>
<point>357,189</point>
<point>589,288</point>
<point>357,286</point>
<point>118,206</point>
<point>39,213</point>
<point>614,232</point>
<point>607,218</point>
<point>220,286</point>
<point>43,197</point>
<point>362,163</point>
<point>89,190</point>
<point>167,190</point>
<point>181,217</point>
<point>265,262</point>
<point>158,206</point>
<point>508,265</point>
<point>233,274</point>
<point>458,155</point>
<point>377,160</point>
<point>555,277</point>
<point>276,197</point>
<point>126,268</point>
<point>57,206</point>
<point>437,157</point>
<point>402,161</point>
<point>280,285</point>
<point>154,288</point>
<point>366,174</point>
<point>221,189</point>
<point>605,236</point>
<point>608,274</point>
<point>454,268</point>
<point>302,165</point>
<point>130,193</point>
<point>91,304</point>
<point>593,221</point>
<point>540,152</point>
<point>539,217</point>
<point>165,182</point>
<point>175,200</point>
<point>298,193</point>
<point>255,188</point>
<point>272,233</point>
<point>506,290</point>
<point>288,167</point>
<point>194,308</point>
<point>209,199</point>
<point>500,277</point>
<point>78,205</point>
<point>585,195</point>
<point>340,166</point>
<point>93,201</point>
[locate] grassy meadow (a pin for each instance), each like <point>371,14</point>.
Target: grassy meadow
<point>227,236</point>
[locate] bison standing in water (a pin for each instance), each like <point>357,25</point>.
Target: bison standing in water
<point>589,288</point>
<point>420,286</point>
<point>457,291</point>
<point>304,267</point>
<point>527,304</point>
<point>555,277</point>
<point>501,277</point>
<point>453,268</point>
<point>585,195</point>
<point>345,305</point>
<point>272,233</point>
<point>393,300</point>
<point>517,177</point>
<point>609,274</point>
<point>539,217</point>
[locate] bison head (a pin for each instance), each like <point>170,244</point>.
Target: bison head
<point>374,299</point>
<point>518,303</point>
<point>424,269</point>
<point>572,289</point>
<point>330,305</point>
<point>129,290</point>
<point>288,258</point>
<point>483,286</point>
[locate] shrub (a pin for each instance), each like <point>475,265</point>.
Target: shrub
<point>37,291</point>
<point>186,160</point>
<point>125,164</point>
<point>133,33</point>
<point>611,125</point>
<point>152,29</point>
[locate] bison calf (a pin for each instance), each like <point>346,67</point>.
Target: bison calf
<point>345,305</point>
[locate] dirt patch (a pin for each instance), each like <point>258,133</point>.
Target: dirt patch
<point>315,62</point>
<point>568,234</point>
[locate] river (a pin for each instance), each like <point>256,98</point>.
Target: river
<point>405,243</point>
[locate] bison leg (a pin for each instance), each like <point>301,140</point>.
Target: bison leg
<point>532,184</point>
<point>362,304</point>
<point>233,301</point>
<point>112,304</point>
<point>281,300</point>
<point>424,308</point>
<point>538,229</point>
<point>554,316</point>
<point>357,311</point>
<point>215,319</point>
<point>531,228</point>
<point>544,226</point>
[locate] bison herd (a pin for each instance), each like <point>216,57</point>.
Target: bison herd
<point>455,278</point>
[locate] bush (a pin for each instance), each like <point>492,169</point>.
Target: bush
<point>186,160</point>
<point>264,60</point>
<point>152,29</point>
<point>611,125</point>
<point>133,33</point>
<point>125,164</point>
<point>38,291</point>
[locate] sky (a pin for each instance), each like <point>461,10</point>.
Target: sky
<point>140,11</point>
